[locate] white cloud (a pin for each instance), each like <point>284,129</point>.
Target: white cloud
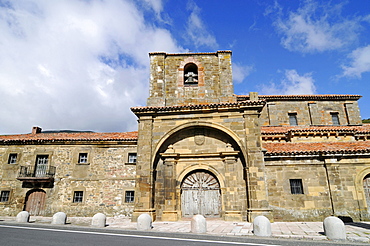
<point>360,62</point>
<point>75,64</point>
<point>292,84</point>
<point>196,30</point>
<point>240,72</point>
<point>316,28</point>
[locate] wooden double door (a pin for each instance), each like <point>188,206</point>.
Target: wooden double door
<point>200,194</point>
<point>35,202</point>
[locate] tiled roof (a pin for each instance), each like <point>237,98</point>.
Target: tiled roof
<point>204,106</point>
<point>365,128</point>
<point>65,136</point>
<point>301,97</point>
<point>282,148</point>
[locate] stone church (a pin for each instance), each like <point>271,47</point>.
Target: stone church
<point>200,149</point>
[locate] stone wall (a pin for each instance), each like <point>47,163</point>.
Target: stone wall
<point>103,179</point>
<point>310,112</point>
<point>331,186</point>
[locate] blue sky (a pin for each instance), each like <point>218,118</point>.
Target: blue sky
<point>81,65</point>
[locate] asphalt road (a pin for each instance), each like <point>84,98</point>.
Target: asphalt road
<point>43,235</point>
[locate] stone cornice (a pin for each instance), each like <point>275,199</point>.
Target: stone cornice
<point>199,107</point>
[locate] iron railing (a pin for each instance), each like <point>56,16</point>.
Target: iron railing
<point>37,172</point>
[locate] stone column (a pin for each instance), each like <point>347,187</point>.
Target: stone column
<point>233,178</point>
<point>144,172</point>
<point>170,203</point>
<point>255,170</point>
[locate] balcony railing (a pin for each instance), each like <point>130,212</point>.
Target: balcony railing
<point>38,173</point>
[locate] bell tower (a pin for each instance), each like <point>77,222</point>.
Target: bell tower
<point>190,78</point>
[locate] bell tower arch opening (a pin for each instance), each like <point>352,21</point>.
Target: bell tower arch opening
<point>190,75</point>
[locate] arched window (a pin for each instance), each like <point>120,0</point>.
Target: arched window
<point>190,75</point>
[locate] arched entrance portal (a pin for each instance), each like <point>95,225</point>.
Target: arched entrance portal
<point>35,202</point>
<point>366,184</point>
<point>200,194</point>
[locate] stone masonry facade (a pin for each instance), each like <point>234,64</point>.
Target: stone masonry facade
<point>200,149</point>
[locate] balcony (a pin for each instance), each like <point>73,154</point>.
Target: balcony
<point>38,174</point>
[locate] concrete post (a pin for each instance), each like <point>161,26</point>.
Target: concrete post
<point>198,224</point>
<point>99,220</point>
<point>59,218</point>
<point>261,226</point>
<point>144,222</point>
<point>23,217</point>
<point>334,228</point>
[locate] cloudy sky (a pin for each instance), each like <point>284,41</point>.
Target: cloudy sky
<point>81,65</point>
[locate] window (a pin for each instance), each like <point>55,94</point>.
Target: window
<point>4,196</point>
<point>82,158</point>
<point>130,196</point>
<point>78,196</point>
<point>132,158</point>
<point>293,119</point>
<point>12,158</point>
<point>41,165</point>
<point>190,74</point>
<point>335,119</point>
<point>296,186</point>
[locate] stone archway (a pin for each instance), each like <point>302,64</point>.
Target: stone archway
<point>366,185</point>
<point>200,194</point>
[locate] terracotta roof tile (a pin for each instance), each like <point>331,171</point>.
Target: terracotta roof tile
<point>283,148</point>
<point>63,136</point>
<point>365,128</point>
<point>301,97</point>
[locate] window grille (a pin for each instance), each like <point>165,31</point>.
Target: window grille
<point>130,196</point>
<point>296,186</point>
<point>12,159</point>
<point>4,196</point>
<point>78,196</point>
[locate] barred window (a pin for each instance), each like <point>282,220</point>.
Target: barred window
<point>296,186</point>
<point>129,196</point>
<point>4,196</point>
<point>82,158</point>
<point>78,196</point>
<point>12,158</point>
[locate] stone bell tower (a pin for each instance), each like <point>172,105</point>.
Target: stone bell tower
<point>190,78</point>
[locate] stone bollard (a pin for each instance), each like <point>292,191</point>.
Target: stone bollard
<point>99,220</point>
<point>198,224</point>
<point>144,222</point>
<point>334,228</point>
<point>261,226</point>
<point>59,218</point>
<point>23,217</point>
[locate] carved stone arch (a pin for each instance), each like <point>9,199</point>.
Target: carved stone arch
<point>211,125</point>
<point>359,183</point>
